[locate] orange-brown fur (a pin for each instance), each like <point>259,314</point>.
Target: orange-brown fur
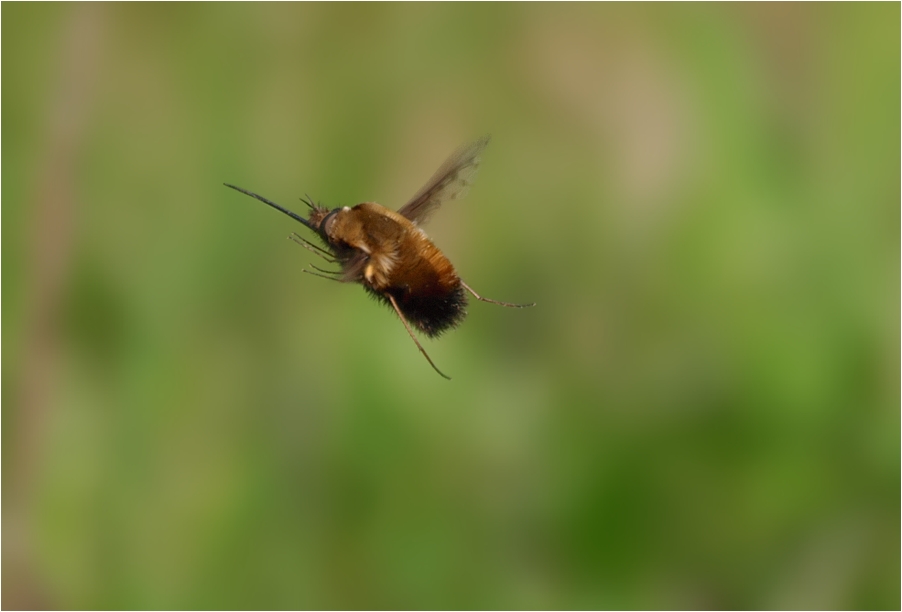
<point>399,260</point>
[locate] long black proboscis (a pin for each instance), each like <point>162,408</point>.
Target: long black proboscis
<point>293,215</point>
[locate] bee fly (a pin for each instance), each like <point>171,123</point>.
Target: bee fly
<point>388,253</point>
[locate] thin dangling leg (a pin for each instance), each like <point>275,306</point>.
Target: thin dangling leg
<point>294,237</point>
<point>332,278</point>
<point>414,338</point>
<point>332,272</point>
<point>482,299</point>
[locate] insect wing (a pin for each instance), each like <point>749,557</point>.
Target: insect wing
<point>352,269</point>
<point>451,181</point>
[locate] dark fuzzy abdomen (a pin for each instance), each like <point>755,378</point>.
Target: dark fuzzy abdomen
<point>431,313</point>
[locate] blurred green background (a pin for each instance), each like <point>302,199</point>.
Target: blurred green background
<point>701,411</point>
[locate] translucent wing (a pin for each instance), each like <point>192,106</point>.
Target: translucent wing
<point>451,181</point>
<point>352,269</point>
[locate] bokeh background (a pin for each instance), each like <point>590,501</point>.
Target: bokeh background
<point>702,411</point>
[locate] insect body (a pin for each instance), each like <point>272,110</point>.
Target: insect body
<point>388,253</point>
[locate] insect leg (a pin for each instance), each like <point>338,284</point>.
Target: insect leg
<point>294,237</point>
<point>332,278</point>
<point>506,304</point>
<point>414,338</point>
<point>332,272</point>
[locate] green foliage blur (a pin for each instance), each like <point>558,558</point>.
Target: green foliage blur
<point>702,411</point>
